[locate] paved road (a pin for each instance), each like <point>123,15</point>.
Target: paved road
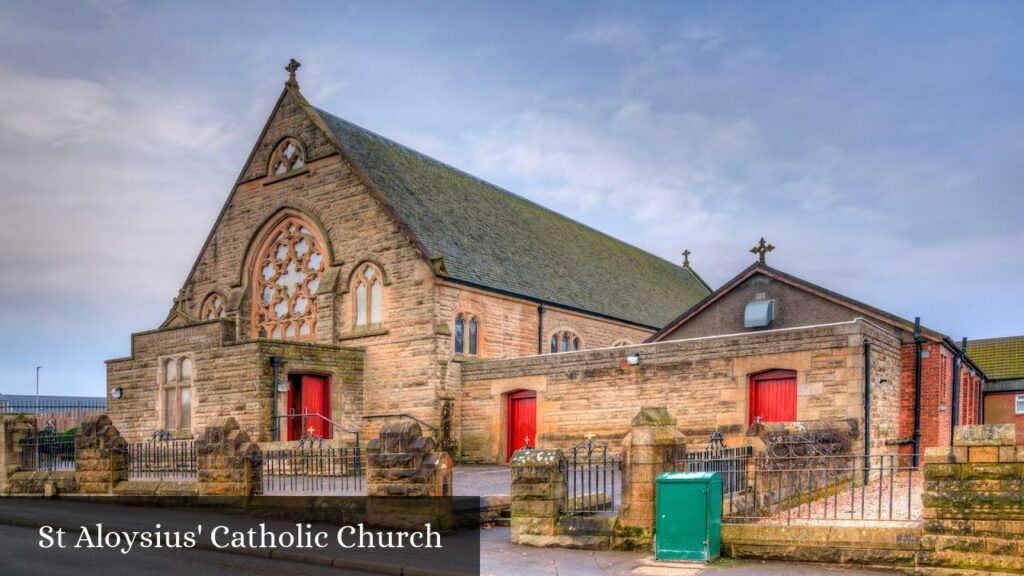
<point>20,555</point>
<point>23,557</point>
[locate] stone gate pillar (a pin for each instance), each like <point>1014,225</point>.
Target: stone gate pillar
<point>227,462</point>
<point>402,462</point>
<point>651,447</point>
<point>538,495</point>
<point>101,456</point>
<point>13,428</point>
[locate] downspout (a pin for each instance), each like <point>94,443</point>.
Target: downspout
<point>275,367</point>
<point>917,390</point>
<point>867,409</point>
<point>955,416</point>
<point>540,328</point>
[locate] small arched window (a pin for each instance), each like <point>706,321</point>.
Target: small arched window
<point>466,334</point>
<point>287,157</point>
<point>213,307</point>
<point>369,289</point>
<point>565,341</point>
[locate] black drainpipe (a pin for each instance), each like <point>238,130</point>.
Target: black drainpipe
<point>867,409</point>
<point>917,390</point>
<point>540,328</point>
<point>955,416</point>
<point>275,366</point>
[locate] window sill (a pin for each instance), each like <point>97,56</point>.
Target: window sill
<point>286,176</point>
<point>464,358</point>
<point>363,333</point>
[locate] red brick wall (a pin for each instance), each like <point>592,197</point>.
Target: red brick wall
<point>936,395</point>
<point>1000,408</point>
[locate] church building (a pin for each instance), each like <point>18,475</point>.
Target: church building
<point>350,280</point>
<point>361,274</point>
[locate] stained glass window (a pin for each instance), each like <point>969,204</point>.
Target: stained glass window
<point>285,280</point>
<point>369,290</point>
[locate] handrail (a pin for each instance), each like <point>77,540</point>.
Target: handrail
<point>322,417</point>
<point>431,427</point>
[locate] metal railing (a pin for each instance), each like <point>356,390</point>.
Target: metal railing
<point>162,460</point>
<point>732,464</point>
<point>312,468</point>
<point>592,478</point>
<point>48,452</point>
<point>815,489</point>
<point>60,415</point>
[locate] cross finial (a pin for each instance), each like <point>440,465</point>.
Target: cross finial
<point>686,258</point>
<point>761,249</point>
<point>291,68</point>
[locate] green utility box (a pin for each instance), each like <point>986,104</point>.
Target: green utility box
<point>689,516</point>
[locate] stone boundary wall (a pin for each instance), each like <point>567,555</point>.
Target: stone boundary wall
<point>703,382</point>
<point>973,518</point>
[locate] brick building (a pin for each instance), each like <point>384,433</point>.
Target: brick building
<point>349,279</point>
<point>1003,362</point>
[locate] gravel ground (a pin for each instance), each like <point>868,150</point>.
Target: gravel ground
<point>844,509</point>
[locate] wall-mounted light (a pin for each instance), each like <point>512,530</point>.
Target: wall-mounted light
<point>633,359</point>
<point>116,393</point>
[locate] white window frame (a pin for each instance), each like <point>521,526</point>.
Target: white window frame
<point>1019,404</point>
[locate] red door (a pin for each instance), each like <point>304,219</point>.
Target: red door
<point>773,396</point>
<point>309,395</point>
<point>522,420</point>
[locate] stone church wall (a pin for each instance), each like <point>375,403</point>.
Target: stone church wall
<point>704,382</point>
<point>228,379</point>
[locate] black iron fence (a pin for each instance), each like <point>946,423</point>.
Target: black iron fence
<point>47,452</point>
<point>813,489</point>
<point>593,478</point>
<point>314,468</point>
<point>732,464</point>
<point>162,459</point>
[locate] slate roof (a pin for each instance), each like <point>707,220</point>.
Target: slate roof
<point>492,238</point>
<point>1000,358</point>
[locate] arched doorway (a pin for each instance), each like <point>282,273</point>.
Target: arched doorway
<point>521,421</point>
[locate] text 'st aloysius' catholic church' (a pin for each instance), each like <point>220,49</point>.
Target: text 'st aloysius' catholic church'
<point>349,280</point>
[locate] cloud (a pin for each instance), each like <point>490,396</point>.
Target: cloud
<point>617,35</point>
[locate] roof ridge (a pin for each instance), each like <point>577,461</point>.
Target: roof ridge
<point>993,339</point>
<point>441,163</point>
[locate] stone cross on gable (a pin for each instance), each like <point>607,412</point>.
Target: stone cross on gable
<point>292,68</point>
<point>686,258</point>
<point>761,249</point>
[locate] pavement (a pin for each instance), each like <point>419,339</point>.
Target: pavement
<point>21,518</point>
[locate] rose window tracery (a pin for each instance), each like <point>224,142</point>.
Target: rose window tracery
<point>287,277</point>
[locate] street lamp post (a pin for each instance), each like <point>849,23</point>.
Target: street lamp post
<point>38,368</point>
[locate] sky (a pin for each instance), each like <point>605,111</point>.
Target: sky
<point>877,145</point>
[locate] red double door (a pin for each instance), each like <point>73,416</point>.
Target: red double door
<point>309,395</point>
<point>773,396</point>
<point>522,420</point>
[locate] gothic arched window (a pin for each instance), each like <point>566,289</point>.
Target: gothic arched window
<point>565,341</point>
<point>213,307</point>
<point>466,334</point>
<point>288,156</point>
<point>286,277</point>
<point>368,286</point>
